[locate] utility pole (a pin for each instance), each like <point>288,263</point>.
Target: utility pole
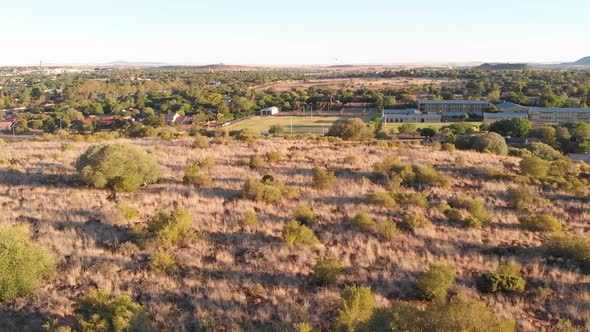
<point>291,124</point>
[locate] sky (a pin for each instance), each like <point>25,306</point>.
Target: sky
<point>292,31</point>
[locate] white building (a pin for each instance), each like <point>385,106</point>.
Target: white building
<point>269,111</point>
<point>454,107</point>
<point>559,115</point>
<point>408,116</point>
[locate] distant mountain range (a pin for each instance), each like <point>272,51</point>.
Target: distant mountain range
<point>503,66</point>
<point>585,61</point>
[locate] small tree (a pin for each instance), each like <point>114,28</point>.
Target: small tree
<point>193,176</point>
<point>427,132</point>
<point>295,233</point>
<point>121,167</point>
<point>276,129</point>
<point>323,179</point>
<point>534,166</point>
<point>407,128</point>
<point>97,311</point>
<point>358,304</point>
<point>327,270</point>
<point>304,214</point>
<point>172,228</point>
<point>350,129</point>
<point>435,283</point>
<point>541,223</point>
<point>23,265</point>
<point>162,261</point>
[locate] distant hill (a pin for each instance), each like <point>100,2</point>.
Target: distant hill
<point>585,61</point>
<point>134,64</point>
<point>503,66</point>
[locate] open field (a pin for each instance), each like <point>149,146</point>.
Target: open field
<point>301,124</point>
<point>245,278</point>
<point>355,83</point>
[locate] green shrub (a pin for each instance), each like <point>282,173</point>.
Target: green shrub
<point>569,247</point>
<point>453,214</point>
<point>267,192</point>
<point>250,219</point>
<point>304,214</point>
<point>276,129</point>
<point>566,325</point>
<point>273,157</point>
<point>67,146</point>
<point>460,313</point>
<point>447,147</point>
<point>256,162</point>
<point>383,199</point>
<point>415,221</point>
<point>520,198</point>
<point>194,177</point>
<point>303,327</point>
<point>121,167</point>
<point>534,167</point>
<point>245,135</point>
<point>327,270</point>
<point>496,282</point>
<point>162,261</point>
<point>358,304</point>
<point>541,223</point>
<point>295,233</point>
<point>414,199</point>
<point>544,151</point>
<point>388,229</point>
<point>435,283</point>
<point>23,264</point>
<point>350,129</point>
<point>128,212</point>
<point>323,179</point>
<point>208,163</point>
<point>426,175</point>
<point>478,214</point>
<point>172,228</point>
<point>99,312</point>
<point>200,142</point>
<point>510,268</point>
<point>489,142</point>
<point>363,221</point>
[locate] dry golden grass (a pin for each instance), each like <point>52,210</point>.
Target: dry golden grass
<point>246,278</point>
<point>354,83</point>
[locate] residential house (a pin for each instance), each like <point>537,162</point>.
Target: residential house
<point>269,111</point>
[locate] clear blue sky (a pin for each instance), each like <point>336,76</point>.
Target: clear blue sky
<point>293,31</point>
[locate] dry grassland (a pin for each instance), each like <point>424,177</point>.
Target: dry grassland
<point>235,278</point>
<point>354,83</point>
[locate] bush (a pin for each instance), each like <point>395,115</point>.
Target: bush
<point>541,223</point>
<point>162,261</point>
<point>208,163</point>
<point>453,214</point>
<point>415,221</point>
<point>256,162</point>
<point>97,311</point>
<point>460,313</point>
<point>128,212</point>
<point>273,157</point>
<point>396,173</point>
<point>435,283</point>
<point>250,219</point>
<point>327,270</point>
<point>193,176</point>
<point>304,214</point>
<point>173,228</point>
<point>569,247</point>
<point>447,147</point>
<point>415,199</point>
<point>428,176</point>
<point>200,142</point>
<point>23,265</point>
<point>121,167</point>
<point>267,192</point>
<point>388,229</point>
<point>544,151</point>
<point>350,129</point>
<point>303,327</point>
<point>363,221</point>
<point>496,282</point>
<point>510,268</point>
<point>245,135</point>
<point>534,167</point>
<point>382,199</point>
<point>520,198</point>
<point>323,179</point>
<point>295,233</point>
<point>490,142</point>
<point>358,304</point>
<point>276,130</point>
<point>476,208</point>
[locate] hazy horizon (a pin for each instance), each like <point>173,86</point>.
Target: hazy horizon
<point>263,32</point>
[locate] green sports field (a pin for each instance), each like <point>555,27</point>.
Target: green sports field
<point>308,125</point>
<point>299,124</point>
